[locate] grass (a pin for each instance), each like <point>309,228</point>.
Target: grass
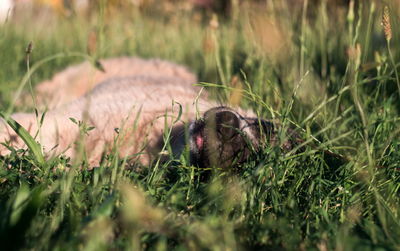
<point>331,75</point>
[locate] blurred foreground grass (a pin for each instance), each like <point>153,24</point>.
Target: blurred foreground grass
<point>324,67</point>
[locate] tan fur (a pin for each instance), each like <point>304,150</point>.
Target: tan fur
<point>77,80</point>
<point>138,104</point>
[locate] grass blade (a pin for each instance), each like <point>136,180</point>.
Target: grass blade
<point>32,145</point>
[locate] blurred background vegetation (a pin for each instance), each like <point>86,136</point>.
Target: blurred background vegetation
<point>327,67</point>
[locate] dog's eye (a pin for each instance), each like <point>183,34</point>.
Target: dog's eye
<point>267,127</point>
<point>227,124</point>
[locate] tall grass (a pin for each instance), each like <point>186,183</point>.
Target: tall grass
<point>330,76</point>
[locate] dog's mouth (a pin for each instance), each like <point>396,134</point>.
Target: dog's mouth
<point>199,141</point>
<point>196,137</point>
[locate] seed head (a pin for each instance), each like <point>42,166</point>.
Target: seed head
<point>387,28</point>
<point>92,43</point>
<point>214,24</point>
<point>29,48</point>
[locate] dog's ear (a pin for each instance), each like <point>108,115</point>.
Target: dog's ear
<point>227,124</point>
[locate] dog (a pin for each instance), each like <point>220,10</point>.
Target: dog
<point>132,106</point>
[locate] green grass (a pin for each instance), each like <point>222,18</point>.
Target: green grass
<point>339,97</point>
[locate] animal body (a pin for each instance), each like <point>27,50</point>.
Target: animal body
<point>130,106</point>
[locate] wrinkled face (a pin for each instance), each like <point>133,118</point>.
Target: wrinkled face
<point>224,139</point>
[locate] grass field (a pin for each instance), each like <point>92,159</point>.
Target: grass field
<point>328,70</point>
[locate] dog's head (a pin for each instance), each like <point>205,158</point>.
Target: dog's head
<point>224,139</point>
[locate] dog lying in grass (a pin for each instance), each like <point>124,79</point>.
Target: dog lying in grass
<point>132,106</point>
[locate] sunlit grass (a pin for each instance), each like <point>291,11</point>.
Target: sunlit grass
<point>330,76</point>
